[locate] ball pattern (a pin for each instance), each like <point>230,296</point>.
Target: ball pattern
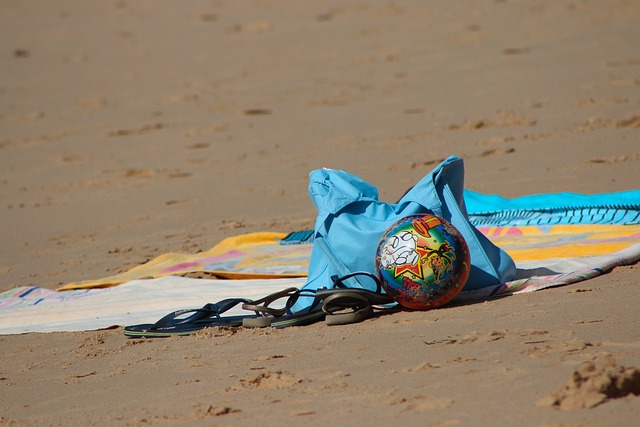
<point>422,261</point>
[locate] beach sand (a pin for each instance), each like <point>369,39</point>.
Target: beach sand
<point>135,128</point>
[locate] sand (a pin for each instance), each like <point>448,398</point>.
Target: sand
<point>134,128</point>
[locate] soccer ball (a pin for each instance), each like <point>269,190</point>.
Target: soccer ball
<point>422,261</point>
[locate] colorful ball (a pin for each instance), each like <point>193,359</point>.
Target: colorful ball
<point>422,261</point>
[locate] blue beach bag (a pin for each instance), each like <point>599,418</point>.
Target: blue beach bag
<point>351,220</point>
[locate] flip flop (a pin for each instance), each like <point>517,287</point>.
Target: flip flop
<point>310,315</point>
<point>344,305</point>
<point>177,324</point>
<point>285,321</point>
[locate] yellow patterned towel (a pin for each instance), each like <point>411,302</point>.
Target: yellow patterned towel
<point>248,256</point>
<point>533,243</point>
<point>260,255</point>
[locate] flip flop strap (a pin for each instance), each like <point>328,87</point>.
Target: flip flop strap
<point>205,312</point>
<point>334,305</point>
<point>261,306</point>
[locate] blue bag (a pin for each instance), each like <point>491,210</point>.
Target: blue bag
<point>351,220</point>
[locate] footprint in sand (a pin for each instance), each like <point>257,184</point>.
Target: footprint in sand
<point>257,112</point>
<point>138,173</point>
<point>592,124</point>
<point>420,403</point>
<point>617,159</point>
<point>271,380</point>
<point>137,131</point>
<point>515,51</point>
<point>70,158</point>
<point>198,146</point>
<point>252,27</point>
<point>205,411</point>
<point>497,152</point>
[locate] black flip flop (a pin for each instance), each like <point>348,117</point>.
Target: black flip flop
<point>179,323</point>
<point>344,305</point>
<point>287,318</point>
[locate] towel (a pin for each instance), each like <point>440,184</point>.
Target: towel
<point>247,256</point>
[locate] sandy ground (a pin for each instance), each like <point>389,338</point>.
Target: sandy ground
<point>133,128</point>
